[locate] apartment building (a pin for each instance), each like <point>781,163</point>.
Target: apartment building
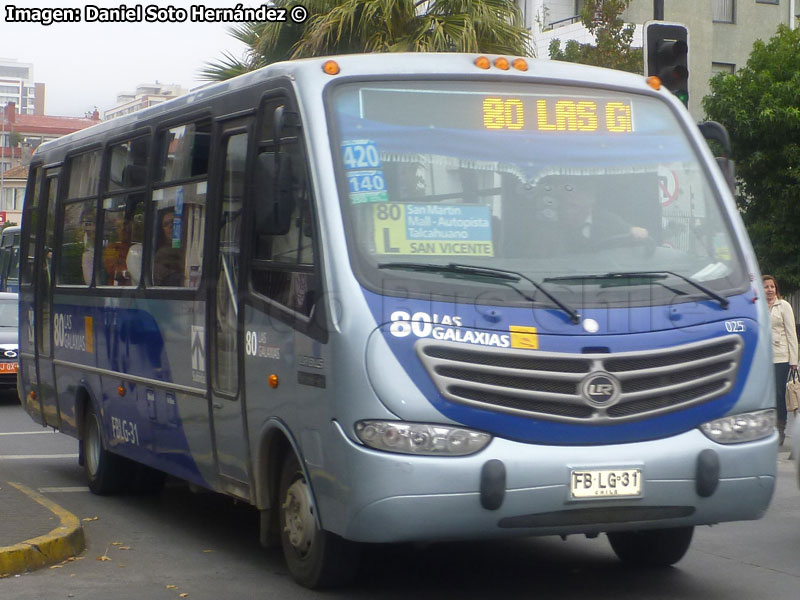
<point>146,94</point>
<point>721,32</point>
<point>17,86</point>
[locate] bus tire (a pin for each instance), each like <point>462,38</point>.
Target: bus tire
<point>316,558</point>
<point>104,470</point>
<point>653,547</point>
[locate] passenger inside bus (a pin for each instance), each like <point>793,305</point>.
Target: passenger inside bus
<point>168,262</point>
<point>115,254</point>
<point>87,257</point>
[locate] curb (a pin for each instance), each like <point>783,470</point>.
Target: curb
<point>63,542</point>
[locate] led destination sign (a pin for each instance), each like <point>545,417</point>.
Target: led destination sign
<point>551,114</point>
<point>546,113</point>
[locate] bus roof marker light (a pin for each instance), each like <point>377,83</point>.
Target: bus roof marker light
<point>654,82</point>
<point>331,67</point>
<point>502,63</point>
<point>482,62</point>
<point>273,381</point>
<point>520,64</point>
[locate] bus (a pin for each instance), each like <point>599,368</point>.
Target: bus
<point>350,292</point>
<point>9,258</point>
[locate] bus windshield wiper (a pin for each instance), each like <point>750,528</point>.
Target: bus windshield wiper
<point>723,302</point>
<point>470,271</point>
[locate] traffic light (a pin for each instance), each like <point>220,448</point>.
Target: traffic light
<point>666,55</point>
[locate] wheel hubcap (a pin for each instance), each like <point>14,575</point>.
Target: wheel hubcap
<point>298,517</point>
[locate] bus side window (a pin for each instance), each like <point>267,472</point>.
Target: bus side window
<point>77,243</point>
<point>179,211</point>
<point>75,260</point>
<point>123,212</point>
<point>30,218</point>
<point>284,265</point>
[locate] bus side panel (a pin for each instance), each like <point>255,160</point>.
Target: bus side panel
<point>147,419</point>
<point>180,419</point>
<point>269,350</point>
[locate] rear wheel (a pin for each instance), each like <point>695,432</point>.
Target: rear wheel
<point>654,547</point>
<point>104,470</point>
<point>316,558</point>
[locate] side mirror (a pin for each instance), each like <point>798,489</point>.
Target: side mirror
<point>285,124</point>
<point>274,199</point>
<point>716,132</point>
<point>728,168</point>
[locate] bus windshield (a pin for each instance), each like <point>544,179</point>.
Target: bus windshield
<point>561,185</point>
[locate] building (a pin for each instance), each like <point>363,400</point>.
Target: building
<point>19,136</point>
<point>17,86</point>
<point>13,194</point>
<point>721,32</point>
<point>145,95</point>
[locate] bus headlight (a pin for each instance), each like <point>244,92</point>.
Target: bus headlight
<point>421,438</point>
<point>744,427</point>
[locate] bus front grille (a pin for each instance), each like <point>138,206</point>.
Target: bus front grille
<point>559,386</point>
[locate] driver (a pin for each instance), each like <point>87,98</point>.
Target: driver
<point>585,224</point>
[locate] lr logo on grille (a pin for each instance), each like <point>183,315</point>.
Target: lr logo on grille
<point>601,389</point>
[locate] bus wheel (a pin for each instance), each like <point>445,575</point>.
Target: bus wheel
<point>316,558</point>
<point>103,469</point>
<point>652,548</point>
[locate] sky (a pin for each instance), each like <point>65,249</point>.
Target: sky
<point>87,64</point>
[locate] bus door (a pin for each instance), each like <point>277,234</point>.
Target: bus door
<point>43,319</point>
<point>227,400</point>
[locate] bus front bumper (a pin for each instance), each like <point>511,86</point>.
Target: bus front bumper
<point>396,498</point>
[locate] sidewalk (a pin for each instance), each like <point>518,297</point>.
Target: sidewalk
<point>34,531</point>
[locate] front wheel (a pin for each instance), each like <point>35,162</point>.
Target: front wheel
<point>316,558</point>
<point>653,547</point>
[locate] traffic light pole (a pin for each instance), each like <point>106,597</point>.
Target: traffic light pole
<point>658,10</point>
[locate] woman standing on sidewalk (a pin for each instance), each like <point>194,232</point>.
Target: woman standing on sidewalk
<point>784,346</point>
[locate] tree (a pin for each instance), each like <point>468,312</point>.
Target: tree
<point>760,106</point>
<point>613,35</point>
<point>352,26</point>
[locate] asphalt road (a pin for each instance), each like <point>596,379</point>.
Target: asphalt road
<point>206,547</point>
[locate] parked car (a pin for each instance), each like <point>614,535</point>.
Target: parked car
<point>9,339</point>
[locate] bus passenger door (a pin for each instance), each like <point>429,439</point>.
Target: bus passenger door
<point>43,318</point>
<point>227,402</point>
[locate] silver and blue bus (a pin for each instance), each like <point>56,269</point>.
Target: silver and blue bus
<point>405,298</point>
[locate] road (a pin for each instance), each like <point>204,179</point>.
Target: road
<point>206,547</point>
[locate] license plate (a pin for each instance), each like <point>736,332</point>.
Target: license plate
<point>605,483</point>
<point>8,367</point>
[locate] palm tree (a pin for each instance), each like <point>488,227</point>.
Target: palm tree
<point>352,26</point>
